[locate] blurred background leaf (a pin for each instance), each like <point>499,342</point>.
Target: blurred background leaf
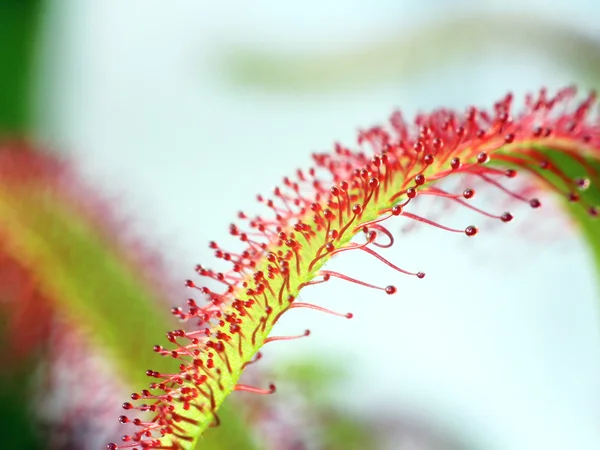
<point>75,261</point>
<point>408,53</point>
<point>307,415</point>
<point>588,224</point>
<point>19,22</point>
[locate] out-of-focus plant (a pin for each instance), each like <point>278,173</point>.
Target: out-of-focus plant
<point>303,416</point>
<point>408,53</point>
<point>69,268</point>
<point>306,416</point>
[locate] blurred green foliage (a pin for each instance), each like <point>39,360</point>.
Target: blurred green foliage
<point>19,21</point>
<point>338,429</point>
<point>16,382</point>
<point>409,53</point>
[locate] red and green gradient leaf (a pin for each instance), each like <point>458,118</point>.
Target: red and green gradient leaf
<point>319,213</point>
<point>404,54</point>
<point>60,255</point>
<point>48,231</point>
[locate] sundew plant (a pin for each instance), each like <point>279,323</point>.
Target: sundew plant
<point>344,203</point>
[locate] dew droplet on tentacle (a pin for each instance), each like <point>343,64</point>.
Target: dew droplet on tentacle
<point>482,158</point>
<point>420,180</point>
<point>471,230</point>
<point>321,309</point>
<point>256,358</point>
<point>582,183</point>
<point>383,230</point>
<point>394,211</point>
<point>352,280</point>
<point>376,255</point>
<point>504,217</point>
<point>287,338</point>
<point>391,289</point>
<point>255,390</point>
<point>432,223</point>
